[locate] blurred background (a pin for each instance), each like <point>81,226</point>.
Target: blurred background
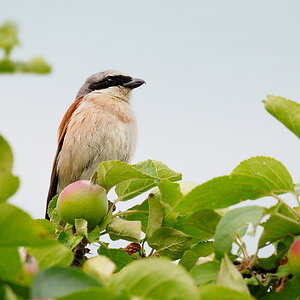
<point>207,64</point>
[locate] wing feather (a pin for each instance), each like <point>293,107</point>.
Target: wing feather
<point>61,135</point>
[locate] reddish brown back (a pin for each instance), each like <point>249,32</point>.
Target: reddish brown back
<point>61,135</point>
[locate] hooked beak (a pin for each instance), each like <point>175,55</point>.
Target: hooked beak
<point>134,83</point>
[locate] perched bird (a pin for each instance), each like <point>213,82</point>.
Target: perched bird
<point>98,126</point>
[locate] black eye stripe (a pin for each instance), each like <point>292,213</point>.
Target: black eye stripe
<point>109,81</point>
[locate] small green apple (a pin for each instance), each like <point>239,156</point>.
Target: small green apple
<point>294,258</point>
<point>82,200</point>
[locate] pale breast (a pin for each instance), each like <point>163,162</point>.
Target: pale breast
<point>100,129</point>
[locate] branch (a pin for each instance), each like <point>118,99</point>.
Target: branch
<point>79,251</point>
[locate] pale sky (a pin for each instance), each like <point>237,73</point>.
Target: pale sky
<point>207,64</point>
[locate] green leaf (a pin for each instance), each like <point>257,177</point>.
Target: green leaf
<point>99,267</point>
<point>230,224</point>
<point>156,215</point>
<point>6,292</point>
<point>173,219</point>
<point>230,277</point>
<point>170,192</point>
<point>6,155</point>
<point>60,281</point>
<point>10,264</point>
<point>142,217</point>
<point>18,229</point>
<point>283,210</point>
<point>118,256</point>
<point>92,293</point>
<point>9,184</point>
<point>81,227</point>
<point>46,224</point>
<point>108,218</point>
<point>254,178</point>
<point>206,273</point>
<point>157,169</point>
<point>7,66</point>
<point>123,229</point>
<point>65,237</point>
<point>291,291</point>
<point>8,35</point>
<point>154,278</point>
<point>36,65</point>
<point>52,206</point>
<point>132,180</point>
<point>271,171</point>
<point>285,111</point>
<point>283,270</point>
<point>129,189</point>
<point>190,257</point>
<point>132,188</point>
<point>276,227</point>
<point>273,261</point>
<point>51,255</point>
<point>283,245</point>
<point>94,235</point>
<point>216,292</point>
<point>243,230</point>
<point>113,172</point>
<point>22,289</point>
<point>201,225</point>
<point>170,242</point>
<point>75,240</point>
<point>222,192</point>
<point>268,263</point>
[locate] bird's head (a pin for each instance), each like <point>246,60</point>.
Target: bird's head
<point>112,82</point>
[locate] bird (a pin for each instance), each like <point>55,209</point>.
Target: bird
<point>98,126</point>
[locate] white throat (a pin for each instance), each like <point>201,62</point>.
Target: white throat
<point>119,92</point>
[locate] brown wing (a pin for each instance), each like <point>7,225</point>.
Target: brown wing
<point>61,135</point>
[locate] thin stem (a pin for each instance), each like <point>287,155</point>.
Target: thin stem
<point>286,205</point>
<point>252,262</point>
<point>130,212</point>
<point>244,251</point>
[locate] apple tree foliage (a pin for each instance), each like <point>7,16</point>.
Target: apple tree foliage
<point>183,240</point>
<point>8,40</point>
